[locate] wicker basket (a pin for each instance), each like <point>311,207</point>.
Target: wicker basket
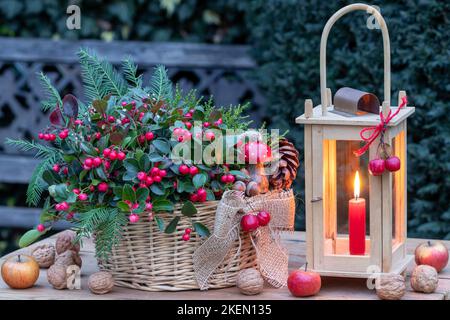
<point>151,260</point>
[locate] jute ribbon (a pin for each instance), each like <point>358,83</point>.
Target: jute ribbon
<point>272,257</point>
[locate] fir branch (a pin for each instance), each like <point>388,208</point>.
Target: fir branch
<point>52,95</point>
<point>37,186</point>
<point>41,150</point>
<point>161,86</point>
<point>112,82</point>
<point>92,82</point>
<point>233,116</point>
<point>130,71</point>
<point>106,223</point>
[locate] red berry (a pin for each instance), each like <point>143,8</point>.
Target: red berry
<point>149,181</point>
<point>102,187</point>
<point>148,206</point>
<point>78,122</point>
<point>141,176</point>
<point>124,121</point>
<point>157,178</point>
<point>76,191</point>
<point>149,136</point>
<point>188,125</point>
<point>249,223</point>
<point>111,119</point>
<point>206,124</point>
<point>392,163</point>
<point>201,192</point>
<point>184,169</point>
<point>230,178</point>
<point>41,228</point>
<point>376,167</point>
<point>133,218</point>
<point>56,168</point>
<point>106,152</point>
<point>141,139</point>
<point>113,155</point>
<point>193,197</point>
<point>92,188</point>
<point>263,218</point>
<point>224,178</point>
<point>88,162</point>
<point>107,164</point>
<point>63,135</point>
<point>162,173</point>
<point>193,170</point>
<point>66,170</point>
<point>124,103</point>
<point>185,237</point>
<point>82,197</point>
<point>52,137</point>
<point>154,171</point>
<point>97,161</point>
<point>188,230</point>
<point>210,136</point>
<point>121,156</point>
<point>46,137</point>
<point>41,136</point>
<point>218,122</point>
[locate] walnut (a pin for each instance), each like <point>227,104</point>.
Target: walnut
<point>44,255</point>
<point>253,189</point>
<point>101,282</point>
<point>250,281</point>
<point>57,276</point>
<point>68,258</point>
<point>239,186</point>
<point>424,278</point>
<point>65,241</point>
<point>390,286</point>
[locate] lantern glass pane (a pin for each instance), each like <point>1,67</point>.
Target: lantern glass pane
<point>398,190</point>
<point>341,208</point>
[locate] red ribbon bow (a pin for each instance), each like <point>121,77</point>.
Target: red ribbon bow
<point>378,129</point>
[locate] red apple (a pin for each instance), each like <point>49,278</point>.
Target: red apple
<point>392,164</point>
<point>302,283</point>
<point>249,223</point>
<point>376,167</point>
<point>432,254</point>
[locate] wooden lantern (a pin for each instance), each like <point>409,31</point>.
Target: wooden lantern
<point>330,173</point>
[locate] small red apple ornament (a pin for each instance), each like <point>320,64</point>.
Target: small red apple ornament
<point>376,167</point>
<point>249,223</point>
<point>263,218</point>
<point>304,283</point>
<point>392,164</point>
<point>432,254</point>
<point>20,272</point>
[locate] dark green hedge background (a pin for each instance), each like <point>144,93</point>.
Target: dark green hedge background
<point>285,38</point>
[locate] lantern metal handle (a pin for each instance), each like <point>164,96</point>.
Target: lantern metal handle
<point>323,51</point>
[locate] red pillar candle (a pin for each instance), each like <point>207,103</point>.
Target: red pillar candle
<point>357,221</point>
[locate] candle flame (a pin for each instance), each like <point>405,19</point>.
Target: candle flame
<point>356,185</point>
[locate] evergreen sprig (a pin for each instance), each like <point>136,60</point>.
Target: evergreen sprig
<point>53,99</point>
<point>130,72</point>
<point>106,223</point>
<point>102,72</point>
<point>161,86</point>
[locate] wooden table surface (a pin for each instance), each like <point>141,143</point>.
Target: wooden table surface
<point>332,288</point>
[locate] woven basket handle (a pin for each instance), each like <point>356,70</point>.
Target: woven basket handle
<point>323,51</point>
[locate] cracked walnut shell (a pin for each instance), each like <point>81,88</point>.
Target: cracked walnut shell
<point>101,282</point>
<point>250,282</point>
<point>65,241</point>
<point>390,286</point>
<point>68,258</point>
<point>424,278</point>
<point>44,255</point>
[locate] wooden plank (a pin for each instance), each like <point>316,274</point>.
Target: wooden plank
<point>332,288</point>
<point>367,119</point>
<point>21,166</point>
<point>22,217</point>
<point>386,213</point>
<point>308,193</point>
<point>170,54</point>
<point>317,193</point>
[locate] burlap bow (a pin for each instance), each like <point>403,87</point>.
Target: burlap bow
<point>272,257</point>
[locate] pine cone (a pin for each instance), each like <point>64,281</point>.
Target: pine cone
<point>287,167</point>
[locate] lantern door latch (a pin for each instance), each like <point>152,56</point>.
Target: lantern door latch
<point>316,199</point>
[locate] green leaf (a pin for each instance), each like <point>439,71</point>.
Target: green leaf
<point>99,106</point>
<point>162,205</point>
<point>132,165</point>
<point>162,146</point>
<point>99,171</point>
<point>123,206</point>
<point>88,148</point>
<point>238,173</point>
<point>128,193</point>
<point>157,189</point>
<point>155,157</point>
<point>172,226</point>
<point>144,163</point>
<point>160,223</point>
<point>199,180</point>
<point>201,229</point>
<point>29,237</point>
<point>188,209</point>
<point>142,194</point>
